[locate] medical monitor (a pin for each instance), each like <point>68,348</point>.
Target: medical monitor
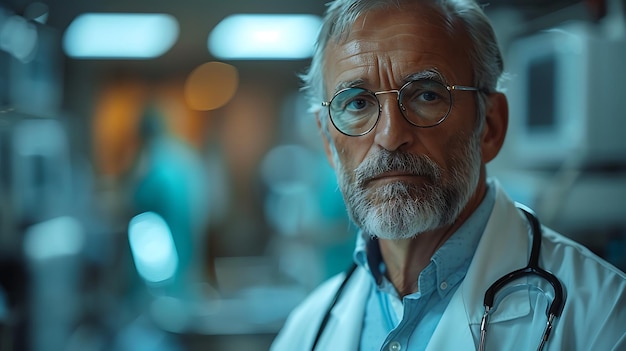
<point>567,96</point>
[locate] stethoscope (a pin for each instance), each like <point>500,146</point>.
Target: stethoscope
<point>532,268</point>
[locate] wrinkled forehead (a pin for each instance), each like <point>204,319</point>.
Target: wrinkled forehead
<point>402,38</point>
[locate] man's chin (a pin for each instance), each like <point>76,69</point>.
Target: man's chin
<point>395,223</point>
<point>394,236</point>
<point>398,195</point>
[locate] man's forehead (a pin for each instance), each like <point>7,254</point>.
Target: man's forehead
<point>404,24</point>
<point>394,38</point>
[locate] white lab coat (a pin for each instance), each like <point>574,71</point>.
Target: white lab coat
<point>594,316</point>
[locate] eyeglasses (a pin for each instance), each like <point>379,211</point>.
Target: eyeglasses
<point>424,103</point>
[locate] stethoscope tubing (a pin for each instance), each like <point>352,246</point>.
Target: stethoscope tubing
<point>532,268</point>
<point>320,330</point>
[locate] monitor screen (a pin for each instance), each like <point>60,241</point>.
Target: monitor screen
<point>541,112</point>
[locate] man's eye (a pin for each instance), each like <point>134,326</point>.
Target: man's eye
<point>356,104</point>
<point>428,96</point>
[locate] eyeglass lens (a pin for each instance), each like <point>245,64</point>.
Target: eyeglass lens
<point>424,103</point>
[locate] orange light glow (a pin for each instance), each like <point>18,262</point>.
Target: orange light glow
<point>115,124</point>
<point>211,85</point>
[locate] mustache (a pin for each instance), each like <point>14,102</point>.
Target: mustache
<point>396,161</point>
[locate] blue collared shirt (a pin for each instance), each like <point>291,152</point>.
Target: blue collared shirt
<point>407,324</point>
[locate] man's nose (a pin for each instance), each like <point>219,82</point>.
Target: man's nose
<point>393,131</point>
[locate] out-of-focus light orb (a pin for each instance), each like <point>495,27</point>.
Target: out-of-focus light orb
<point>211,85</point>
<point>264,36</point>
<point>152,247</point>
<point>57,237</point>
<point>120,35</point>
<point>18,37</point>
<point>37,11</point>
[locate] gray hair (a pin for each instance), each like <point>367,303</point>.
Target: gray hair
<point>485,55</point>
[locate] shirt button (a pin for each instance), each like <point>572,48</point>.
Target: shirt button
<point>443,286</point>
<point>394,346</point>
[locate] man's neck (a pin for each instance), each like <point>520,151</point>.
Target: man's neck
<point>405,259</point>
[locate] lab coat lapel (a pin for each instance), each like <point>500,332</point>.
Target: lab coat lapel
<point>343,330</point>
<point>451,333</point>
<point>503,248</point>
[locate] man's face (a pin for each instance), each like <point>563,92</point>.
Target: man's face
<point>400,180</point>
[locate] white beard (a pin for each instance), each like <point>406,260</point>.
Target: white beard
<point>402,210</point>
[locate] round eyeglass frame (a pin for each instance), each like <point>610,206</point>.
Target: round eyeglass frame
<point>399,92</point>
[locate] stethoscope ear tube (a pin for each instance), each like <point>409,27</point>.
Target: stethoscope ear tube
<point>532,268</point>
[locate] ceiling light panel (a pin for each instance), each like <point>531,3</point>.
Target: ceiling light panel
<point>120,35</point>
<point>264,36</point>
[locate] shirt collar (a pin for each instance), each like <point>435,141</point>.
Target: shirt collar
<point>449,263</point>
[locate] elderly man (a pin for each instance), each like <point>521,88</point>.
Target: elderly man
<point>405,93</point>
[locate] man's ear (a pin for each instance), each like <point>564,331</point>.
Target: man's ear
<point>496,125</point>
<point>325,136</point>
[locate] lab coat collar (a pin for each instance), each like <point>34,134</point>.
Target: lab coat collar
<point>348,314</point>
<point>501,250</point>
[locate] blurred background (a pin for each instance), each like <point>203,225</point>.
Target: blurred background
<point>162,186</point>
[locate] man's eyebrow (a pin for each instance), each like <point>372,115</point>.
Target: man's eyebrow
<point>349,84</point>
<point>426,74</point>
